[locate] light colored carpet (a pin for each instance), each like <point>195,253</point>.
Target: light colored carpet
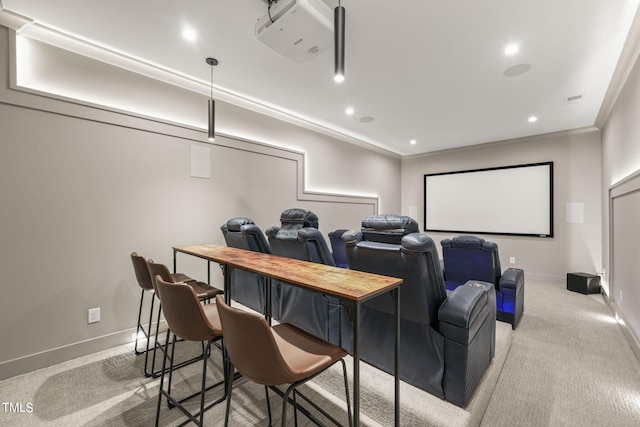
<point>107,389</point>
<point>567,364</point>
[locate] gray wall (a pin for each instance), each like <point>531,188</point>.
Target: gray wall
<point>621,160</point>
<point>575,247</point>
<point>83,187</point>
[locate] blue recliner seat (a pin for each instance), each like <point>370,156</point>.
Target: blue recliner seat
<point>446,342</point>
<point>337,247</point>
<point>247,288</point>
<point>298,237</point>
<point>473,258</point>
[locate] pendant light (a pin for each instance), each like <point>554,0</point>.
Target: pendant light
<point>212,104</point>
<point>338,32</point>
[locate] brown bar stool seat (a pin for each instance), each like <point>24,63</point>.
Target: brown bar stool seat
<point>270,356</point>
<point>204,291</point>
<point>190,321</point>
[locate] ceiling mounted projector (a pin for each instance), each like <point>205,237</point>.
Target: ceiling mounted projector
<point>296,29</point>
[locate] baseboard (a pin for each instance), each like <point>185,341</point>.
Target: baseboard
<point>53,356</point>
<point>631,337</point>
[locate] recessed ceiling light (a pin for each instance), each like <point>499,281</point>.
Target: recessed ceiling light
<point>349,111</point>
<point>511,49</point>
<point>189,34</point>
<point>533,119</point>
<point>413,142</point>
<point>366,119</point>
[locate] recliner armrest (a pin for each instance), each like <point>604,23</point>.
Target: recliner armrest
<point>464,303</point>
<point>463,312</point>
<point>306,234</point>
<point>255,238</point>
<point>512,278</point>
<point>272,231</point>
<point>313,236</point>
<point>351,237</point>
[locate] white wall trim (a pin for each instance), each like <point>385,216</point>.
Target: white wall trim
<point>27,27</point>
<point>56,104</point>
<point>624,187</point>
<point>50,357</point>
<point>525,139</point>
<point>633,341</point>
<point>628,56</point>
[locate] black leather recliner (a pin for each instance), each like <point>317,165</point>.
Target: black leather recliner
<point>247,288</point>
<point>447,341</point>
<point>474,258</point>
<point>298,237</point>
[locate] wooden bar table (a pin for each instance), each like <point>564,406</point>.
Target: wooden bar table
<point>351,286</point>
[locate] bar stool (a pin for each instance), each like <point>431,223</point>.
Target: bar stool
<point>145,282</point>
<point>270,356</point>
<point>188,320</point>
<point>203,291</point>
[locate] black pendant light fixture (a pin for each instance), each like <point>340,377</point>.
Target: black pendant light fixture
<point>338,34</point>
<point>212,104</point>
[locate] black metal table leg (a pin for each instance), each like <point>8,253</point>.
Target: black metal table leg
<point>226,272</point>
<point>268,309</point>
<point>396,294</point>
<point>356,365</point>
<point>175,253</point>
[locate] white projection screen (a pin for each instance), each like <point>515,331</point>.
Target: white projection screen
<point>510,200</point>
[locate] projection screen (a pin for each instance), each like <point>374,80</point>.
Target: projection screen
<point>510,200</point>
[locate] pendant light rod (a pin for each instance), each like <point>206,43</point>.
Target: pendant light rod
<point>212,104</point>
<point>338,31</point>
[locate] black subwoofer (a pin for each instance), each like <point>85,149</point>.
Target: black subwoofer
<point>584,283</point>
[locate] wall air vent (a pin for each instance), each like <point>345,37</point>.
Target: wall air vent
<point>573,99</point>
<point>296,29</point>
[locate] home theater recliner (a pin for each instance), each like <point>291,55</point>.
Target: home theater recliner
<point>298,237</point>
<point>246,287</point>
<point>473,258</point>
<point>447,340</point>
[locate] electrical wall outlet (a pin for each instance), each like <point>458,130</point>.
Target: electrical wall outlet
<point>512,260</point>
<point>620,295</point>
<point>93,315</point>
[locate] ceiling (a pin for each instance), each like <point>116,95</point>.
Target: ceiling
<point>428,70</point>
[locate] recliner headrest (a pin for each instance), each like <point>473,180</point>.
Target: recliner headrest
<point>301,217</point>
<point>469,242</point>
<point>235,224</point>
<point>293,220</point>
<point>388,228</point>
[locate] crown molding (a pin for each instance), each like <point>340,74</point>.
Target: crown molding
<point>27,27</point>
<point>492,144</point>
<point>628,58</point>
